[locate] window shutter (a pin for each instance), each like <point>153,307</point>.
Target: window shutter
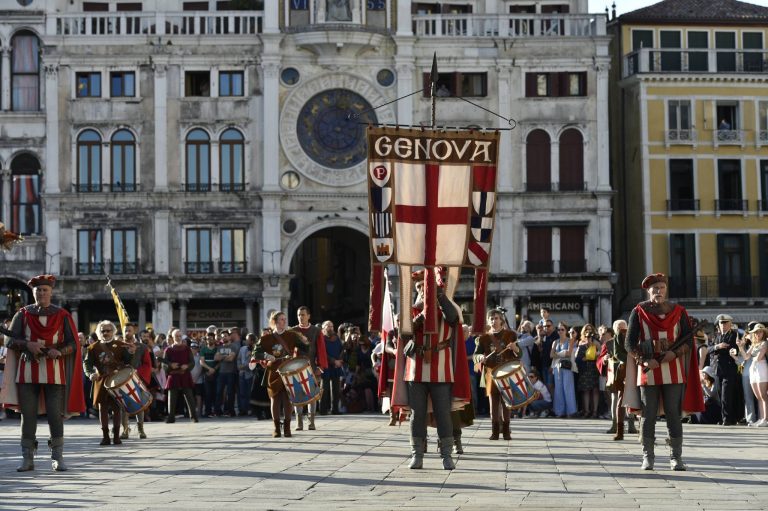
<point>530,85</point>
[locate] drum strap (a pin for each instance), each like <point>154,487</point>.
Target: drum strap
<point>283,343</point>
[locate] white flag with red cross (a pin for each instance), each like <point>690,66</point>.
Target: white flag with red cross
<point>432,204</point>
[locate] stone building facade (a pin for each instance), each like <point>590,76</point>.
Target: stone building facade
<point>204,157</point>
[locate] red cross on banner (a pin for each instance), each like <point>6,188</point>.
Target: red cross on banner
<point>432,215</point>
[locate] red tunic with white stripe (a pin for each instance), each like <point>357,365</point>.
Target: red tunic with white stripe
<point>48,331</point>
<point>439,369</point>
<point>662,333</point>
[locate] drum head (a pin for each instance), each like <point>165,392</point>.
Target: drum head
<point>119,377</point>
<point>507,368</point>
<point>295,364</point>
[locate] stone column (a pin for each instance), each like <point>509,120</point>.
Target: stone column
<point>271,15</point>
<point>5,198</point>
<point>52,167</point>
<point>183,302</point>
<point>602,127</point>
<point>270,71</point>
<point>161,127</point>
<point>142,320</point>
<point>585,308</point>
<point>404,27</point>
<point>162,315</point>
<point>270,299</point>
<point>53,242</point>
<point>405,73</point>
<point>162,235</point>
<point>504,108</point>
<point>5,78</point>
<point>605,308</point>
<point>215,166</point>
<point>524,307</point>
<point>554,169</point>
<point>249,314</point>
<point>73,310</point>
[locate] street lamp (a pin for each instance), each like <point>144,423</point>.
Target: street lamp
<point>274,277</point>
<point>49,260</point>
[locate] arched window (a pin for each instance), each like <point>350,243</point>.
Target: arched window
<point>571,160</point>
<point>231,161</point>
<point>25,72</point>
<point>25,195</point>
<point>123,162</point>
<point>89,162</point>
<point>198,161</point>
<point>538,161</point>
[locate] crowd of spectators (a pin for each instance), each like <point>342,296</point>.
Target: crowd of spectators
<point>561,361</point>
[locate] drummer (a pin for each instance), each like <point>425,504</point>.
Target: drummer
<point>102,360</point>
<point>492,349</point>
<point>276,347</point>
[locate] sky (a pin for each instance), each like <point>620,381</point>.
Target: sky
<point>624,6</point>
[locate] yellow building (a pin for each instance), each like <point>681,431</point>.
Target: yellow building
<point>689,152</point>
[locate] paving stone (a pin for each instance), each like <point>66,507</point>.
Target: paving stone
<point>358,462</point>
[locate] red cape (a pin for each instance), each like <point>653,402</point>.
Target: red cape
<point>73,376</point>
<point>693,395</point>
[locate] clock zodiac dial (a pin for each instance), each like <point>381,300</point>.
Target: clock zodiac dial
<point>331,128</point>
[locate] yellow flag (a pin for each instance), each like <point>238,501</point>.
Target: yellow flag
<point>122,314</point>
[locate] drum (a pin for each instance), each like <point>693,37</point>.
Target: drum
<point>128,390</point>
<point>513,384</point>
<point>300,381</point>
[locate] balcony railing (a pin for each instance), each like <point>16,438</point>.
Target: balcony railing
<point>209,187</point>
<point>539,267</point>
<point>105,187</point>
<point>655,60</point>
<point>90,268</point>
<point>683,205</point>
<point>680,137</point>
<point>230,187</point>
<point>196,187</point>
<point>199,23</point>
<point>731,205</point>
<point>569,186</point>
<point>198,267</point>
<point>714,287</point>
<point>124,268</point>
<point>563,266</point>
<point>572,186</point>
<point>573,265</point>
<point>233,266</point>
<point>509,25</point>
<point>728,137</point>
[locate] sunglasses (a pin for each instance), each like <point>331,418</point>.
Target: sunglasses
<point>106,331</point>
<point>561,329</point>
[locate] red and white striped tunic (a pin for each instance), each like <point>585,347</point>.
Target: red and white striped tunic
<point>440,367</point>
<point>49,331</point>
<point>663,333</point>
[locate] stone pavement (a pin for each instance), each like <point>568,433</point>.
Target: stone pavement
<point>358,462</point>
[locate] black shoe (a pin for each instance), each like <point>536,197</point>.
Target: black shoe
<point>170,420</point>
